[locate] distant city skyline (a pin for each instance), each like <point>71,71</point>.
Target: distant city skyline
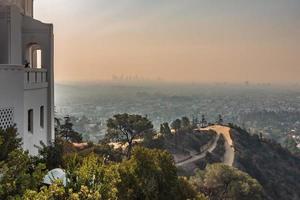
<point>186,41</point>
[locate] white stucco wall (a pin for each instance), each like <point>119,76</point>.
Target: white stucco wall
<point>17,33</point>
<point>3,35</point>
<point>39,33</point>
<point>24,6</point>
<point>15,36</point>
<point>12,92</point>
<point>34,99</point>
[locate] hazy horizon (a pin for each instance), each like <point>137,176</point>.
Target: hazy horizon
<point>199,41</point>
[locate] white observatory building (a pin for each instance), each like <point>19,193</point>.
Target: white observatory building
<point>26,74</point>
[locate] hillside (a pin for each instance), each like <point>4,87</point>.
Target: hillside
<point>217,149</point>
<point>277,170</point>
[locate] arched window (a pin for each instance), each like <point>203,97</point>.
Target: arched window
<point>34,56</point>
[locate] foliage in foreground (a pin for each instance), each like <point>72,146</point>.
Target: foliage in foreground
<point>148,174</point>
<point>18,171</point>
<point>220,181</point>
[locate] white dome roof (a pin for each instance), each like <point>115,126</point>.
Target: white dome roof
<point>54,175</point>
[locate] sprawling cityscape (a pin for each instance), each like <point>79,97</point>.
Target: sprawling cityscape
<point>273,111</point>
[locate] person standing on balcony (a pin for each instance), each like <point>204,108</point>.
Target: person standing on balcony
<point>27,64</point>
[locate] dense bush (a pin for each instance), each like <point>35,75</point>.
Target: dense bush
<point>220,182</point>
<point>148,174</point>
<point>9,141</point>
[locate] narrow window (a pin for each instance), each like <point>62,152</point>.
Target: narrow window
<point>39,58</point>
<point>30,121</point>
<point>42,116</point>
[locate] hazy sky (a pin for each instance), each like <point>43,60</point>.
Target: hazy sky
<point>182,40</point>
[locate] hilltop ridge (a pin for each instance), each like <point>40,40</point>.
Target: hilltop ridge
<point>275,168</point>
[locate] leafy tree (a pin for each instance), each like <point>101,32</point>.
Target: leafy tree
<point>93,174</point>
<point>108,152</point>
<point>9,142</point>
<point>150,174</point>
<point>195,122</point>
<point>186,190</point>
<point>19,173</point>
<point>153,140</point>
<point>58,192</point>
<point>220,182</point>
<point>185,123</point>
<point>291,145</point>
<point>125,128</point>
<point>176,125</point>
<point>52,155</point>
<point>165,130</point>
<point>57,125</point>
<point>88,179</point>
<point>68,133</point>
<point>203,121</point>
<point>220,119</point>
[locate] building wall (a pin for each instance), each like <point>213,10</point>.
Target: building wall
<point>34,99</point>
<point>35,32</point>
<point>15,36</point>
<point>4,34</point>
<point>28,7</point>
<point>17,33</point>
<point>11,35</point>
<point>12,92</point>
<point>25,6</point>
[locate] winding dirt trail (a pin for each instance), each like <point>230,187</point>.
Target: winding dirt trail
<point>199,156</point>
<point>229,150</point>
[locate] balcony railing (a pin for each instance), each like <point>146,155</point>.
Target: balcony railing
<point>35,78</point>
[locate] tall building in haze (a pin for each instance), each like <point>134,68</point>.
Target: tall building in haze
<point>26,74</point>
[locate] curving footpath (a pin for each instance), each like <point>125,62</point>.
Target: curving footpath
<point>229,149</point>
<point>202,155</point>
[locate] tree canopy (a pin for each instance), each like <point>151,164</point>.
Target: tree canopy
<point>9,141</point>
<point>125,128</point>
<point>67,132</point>
<point>220,181</point>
